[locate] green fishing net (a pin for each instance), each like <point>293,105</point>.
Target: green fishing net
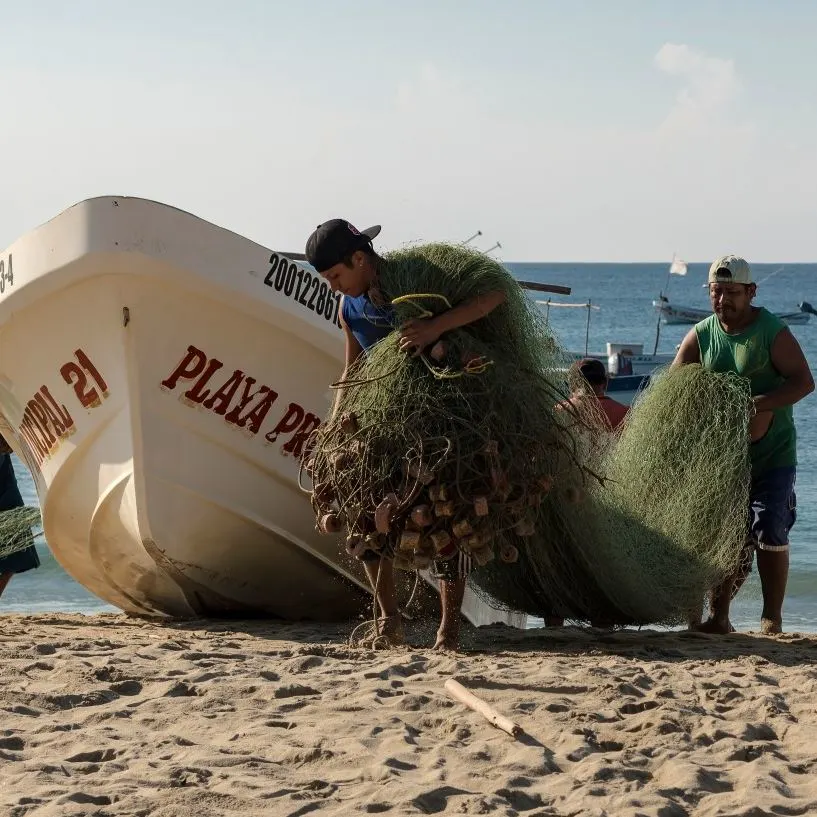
<point>15,529</point>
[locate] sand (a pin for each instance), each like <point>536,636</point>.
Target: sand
<point>102,715</point>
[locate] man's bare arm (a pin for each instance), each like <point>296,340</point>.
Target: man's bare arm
<point>789,360</point>
<point>353,351</point>
<point>689,351</point>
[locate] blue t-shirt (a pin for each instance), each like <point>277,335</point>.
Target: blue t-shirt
<point>367,322</point>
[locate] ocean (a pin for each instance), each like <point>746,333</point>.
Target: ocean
<point>624,295</point>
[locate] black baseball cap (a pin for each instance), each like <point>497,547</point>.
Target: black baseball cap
<point>334,240</point>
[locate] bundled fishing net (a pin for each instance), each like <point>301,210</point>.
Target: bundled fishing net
<point>669,518</point>
<point>471,448</point>
<point>675,507</point>
<point>15,529</point>
<point>458,449</point>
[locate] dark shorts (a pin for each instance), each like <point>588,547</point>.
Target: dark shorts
<point>772,509</point>
<point>20,561</point>
<point>24,556</point>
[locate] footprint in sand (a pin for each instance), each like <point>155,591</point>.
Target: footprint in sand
<point>294,690</point>
<point>636,707</point>
<point>189,776</point>
<point>127,688</point>
<point>758,732</point>
<point>181,690</point>
<point>557,707</point>
<point>107,674</point>
<point>436,801</point>
<point>520,800</point>
<point>88,799</point>
<point>97,756</point>
<point>95,697</point>
<point>303,664</point>
<point>43,666</point>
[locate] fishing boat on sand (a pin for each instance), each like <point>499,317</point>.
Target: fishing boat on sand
<point>160,376</point>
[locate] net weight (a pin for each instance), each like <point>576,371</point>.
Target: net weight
<point>6,273</point>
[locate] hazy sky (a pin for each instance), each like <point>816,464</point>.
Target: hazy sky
<point>570,130</point>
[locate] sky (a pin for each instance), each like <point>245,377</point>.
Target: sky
<point>577,130</point>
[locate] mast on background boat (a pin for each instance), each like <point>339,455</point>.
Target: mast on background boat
<point>677,267</point>
<point>588,306</point>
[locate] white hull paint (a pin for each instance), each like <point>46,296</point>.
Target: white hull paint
<point>159,375</point>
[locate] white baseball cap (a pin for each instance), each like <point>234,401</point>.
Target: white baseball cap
<point>729,269</point>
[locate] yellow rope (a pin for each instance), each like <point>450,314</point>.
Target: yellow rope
<point>477,366</point>
<point>424,312</point>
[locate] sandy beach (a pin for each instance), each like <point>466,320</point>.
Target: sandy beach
<point>103,715</point>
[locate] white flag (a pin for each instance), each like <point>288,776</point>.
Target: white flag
<point>678,267</point>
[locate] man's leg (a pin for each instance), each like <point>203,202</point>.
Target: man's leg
<point>718,621</point>
<point>381,576</point>
<point>773,567</point>
<point>451,595</point>
<point>715,604</point>
<point>5,578</point>
<point>774,509</point>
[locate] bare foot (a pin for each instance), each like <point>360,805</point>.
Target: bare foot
<point>448,638</point>
<point>717,626</point>
<point>387,632</point>
<point>770,626</point>
<point>391,627</point>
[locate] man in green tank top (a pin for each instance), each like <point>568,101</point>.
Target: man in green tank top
<point>752,342</point>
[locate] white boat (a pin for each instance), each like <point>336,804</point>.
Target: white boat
<point>629,368</point>
<point>159,376</point>
<point>672,314</point>
<point>627,365</point>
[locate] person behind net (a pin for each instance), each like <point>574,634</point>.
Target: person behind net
<point>345,257</point>
<point>588,379</point>
<point>754,343</point>
<point>24,553</point>
<point>589,382</point>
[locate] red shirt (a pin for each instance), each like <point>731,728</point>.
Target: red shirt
<point>613,410</point>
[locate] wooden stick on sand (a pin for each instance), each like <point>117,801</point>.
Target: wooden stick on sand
<point>458,691</point>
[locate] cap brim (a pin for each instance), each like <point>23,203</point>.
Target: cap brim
<point>371,232</point>
<point>745,283</point>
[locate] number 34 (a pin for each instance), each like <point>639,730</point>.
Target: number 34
<point>6,274</point>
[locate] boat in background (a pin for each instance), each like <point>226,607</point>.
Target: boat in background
<point>672,314</point>
<point>688,315</point>
<point>628,367</point>
<point>160,377</point>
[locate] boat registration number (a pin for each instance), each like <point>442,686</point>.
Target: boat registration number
<point>304,287</point>
<point>6,273</point>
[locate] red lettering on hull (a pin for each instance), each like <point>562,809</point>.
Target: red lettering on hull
<point>45,422</point>
<point>240,401</point>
